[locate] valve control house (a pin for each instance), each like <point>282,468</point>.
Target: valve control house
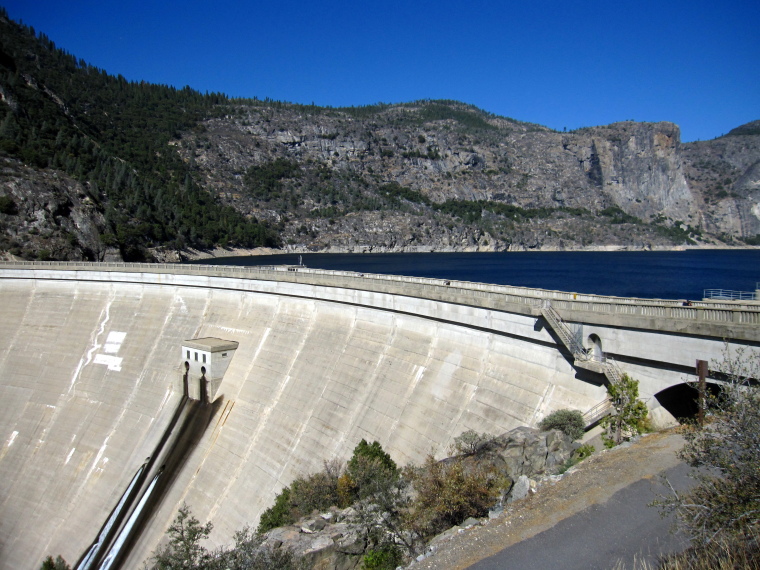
<point>205,362</point>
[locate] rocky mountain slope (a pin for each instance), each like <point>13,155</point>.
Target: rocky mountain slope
<point>96,167</point>
<point>442,176</point>
<point>50,214</point>
<point>725,174</point>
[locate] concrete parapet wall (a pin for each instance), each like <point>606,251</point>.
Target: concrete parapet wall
<point>721,319</point>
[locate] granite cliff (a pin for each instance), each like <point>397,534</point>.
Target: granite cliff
<point>446,176</point>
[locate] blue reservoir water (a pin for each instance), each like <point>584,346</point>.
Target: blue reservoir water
<point>647,274</point>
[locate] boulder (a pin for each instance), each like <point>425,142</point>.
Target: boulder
<point>520,489</point>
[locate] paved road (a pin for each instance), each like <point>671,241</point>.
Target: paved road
<point>622,528</point>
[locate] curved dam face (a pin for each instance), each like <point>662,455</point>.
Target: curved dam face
<point>91,373</point>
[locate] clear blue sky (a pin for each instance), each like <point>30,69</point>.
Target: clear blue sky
<point>560,64</point>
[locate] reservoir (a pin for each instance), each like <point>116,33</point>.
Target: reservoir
<point>646,274</point>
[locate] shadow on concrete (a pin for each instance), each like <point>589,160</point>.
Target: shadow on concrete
<point>182,435</point>
<point>587,376</point>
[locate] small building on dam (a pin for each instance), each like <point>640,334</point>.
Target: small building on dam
<point>205,361</point>
<point>217,386</point>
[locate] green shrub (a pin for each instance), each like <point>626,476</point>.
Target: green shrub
<point>8,206</point>
<point>58,564</point>
<point>386,557</point>
<point>579,455</point>
<point>630,412</point>
<point>184,548</point>
<point>584,451</point>
<point>316,492</point>
<point>470,441</point>
<point>570,422</point>
<point>371,451</point>
<point>265,180</point>
<point>394,193</point>
<point>618,216</point>
<point>278,514</point>
<point>368,469</point>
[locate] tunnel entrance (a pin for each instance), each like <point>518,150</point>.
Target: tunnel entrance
<point>681,400</point>
<point>595,347</point>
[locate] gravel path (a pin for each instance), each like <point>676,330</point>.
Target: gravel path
<point>592,482</point>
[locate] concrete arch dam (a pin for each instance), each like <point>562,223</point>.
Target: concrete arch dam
<point>91,377</point>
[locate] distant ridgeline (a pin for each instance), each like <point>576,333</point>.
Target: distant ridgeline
<point>98,167</point>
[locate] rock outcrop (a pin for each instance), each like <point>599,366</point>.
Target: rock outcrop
<point>50,216</point>
<point>333,540</point>
<point>725,174</point>
<point>639,166</point>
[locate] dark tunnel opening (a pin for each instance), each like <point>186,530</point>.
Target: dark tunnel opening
<point>681,400</point>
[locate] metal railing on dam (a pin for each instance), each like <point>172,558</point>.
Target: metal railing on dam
<point>712,318</point>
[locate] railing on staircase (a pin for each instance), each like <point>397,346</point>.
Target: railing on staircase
<point>608,365</point>
<point>612,370</point>
<point>603,408</point>
<point>565,334</point>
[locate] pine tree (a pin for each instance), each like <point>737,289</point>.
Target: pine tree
<point>629,414</point>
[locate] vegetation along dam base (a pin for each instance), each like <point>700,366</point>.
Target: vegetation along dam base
<point>217,386</point>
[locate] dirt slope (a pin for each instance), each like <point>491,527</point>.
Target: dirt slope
<point>593,481</point>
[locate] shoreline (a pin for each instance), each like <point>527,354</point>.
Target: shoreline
<point>197,255</point>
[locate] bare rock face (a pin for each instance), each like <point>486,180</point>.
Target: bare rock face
<point>528,451</point>
<point>49,215</point>
<point>725,174</point>
<point>639,166</point>
<point>747,187</point>
<point>562,180</point>
<point>326,540</point>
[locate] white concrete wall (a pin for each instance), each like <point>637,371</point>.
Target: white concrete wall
<point>87,371</point>
<point>644,355</point>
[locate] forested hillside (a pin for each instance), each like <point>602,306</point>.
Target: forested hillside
<point>112,136</point>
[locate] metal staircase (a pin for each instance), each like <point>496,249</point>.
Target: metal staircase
<point>612,370</point>
<point>564,333</point>
<point>583,358</point>
<point>593,415</point>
